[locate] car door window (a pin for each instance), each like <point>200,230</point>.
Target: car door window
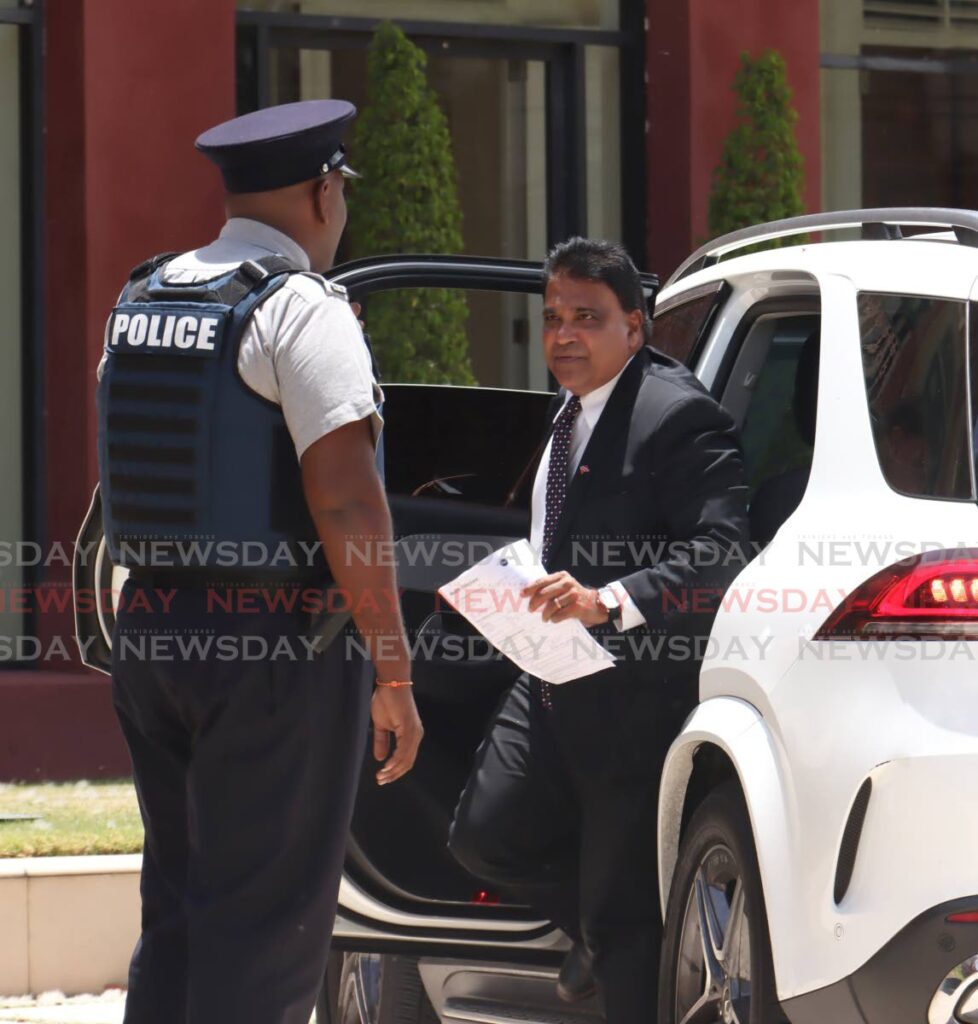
<point>456,336</point>
<point>462,428</point>
<point>681,325</point>
<point>466,446</point>
<point>778,428</point>
<point>462,422</point>
<point>772,395</point>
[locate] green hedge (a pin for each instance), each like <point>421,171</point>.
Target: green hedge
<point>760,176</point>
<point>408,202</point>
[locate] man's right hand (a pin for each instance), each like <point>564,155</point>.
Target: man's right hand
<point>395,717</point>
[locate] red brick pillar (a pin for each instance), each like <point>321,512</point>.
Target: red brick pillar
<point>693,54</point>
<point>128,88</point>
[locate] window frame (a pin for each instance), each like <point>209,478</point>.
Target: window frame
<point>721,291</point>
<point>563,52</point>
<point>969,340</point>
<point>28,19</point>
<point>797,303</point>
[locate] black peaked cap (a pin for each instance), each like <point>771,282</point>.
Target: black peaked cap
<point>280,146</point>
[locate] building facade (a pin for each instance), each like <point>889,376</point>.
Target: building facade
<point>604,117</point>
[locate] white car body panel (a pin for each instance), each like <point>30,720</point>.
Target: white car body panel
<point>806,722</point>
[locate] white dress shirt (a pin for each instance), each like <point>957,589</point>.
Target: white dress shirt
<point>592,405</point>
<point>303,348</point>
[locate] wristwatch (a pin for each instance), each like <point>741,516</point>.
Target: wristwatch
<point>609,601</point>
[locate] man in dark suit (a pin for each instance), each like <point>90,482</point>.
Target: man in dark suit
<point>639,516</point>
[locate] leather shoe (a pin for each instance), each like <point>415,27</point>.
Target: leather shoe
<point>576,980</point>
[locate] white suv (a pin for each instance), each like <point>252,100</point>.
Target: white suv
<point>823,788</point>
<point>818,823</point>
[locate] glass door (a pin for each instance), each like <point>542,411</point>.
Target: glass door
<point>12,289</point>
<point>535,97</point>
<point>496,112</point>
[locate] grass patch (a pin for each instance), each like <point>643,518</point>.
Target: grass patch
<point>73,818</point>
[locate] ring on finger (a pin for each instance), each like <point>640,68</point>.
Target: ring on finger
<point>559,602</point>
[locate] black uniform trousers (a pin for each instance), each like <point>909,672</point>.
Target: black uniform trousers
<point>560,813</point>
<point>246,769</point>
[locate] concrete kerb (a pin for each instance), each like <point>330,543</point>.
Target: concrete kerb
<point>69,923</point>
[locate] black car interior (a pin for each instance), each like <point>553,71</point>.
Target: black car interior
<point>453,492</point>
<point>779,495</point>
<point>449,484</point>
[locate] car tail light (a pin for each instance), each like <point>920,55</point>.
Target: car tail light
<point>933,596</point>
<point>967,917</point>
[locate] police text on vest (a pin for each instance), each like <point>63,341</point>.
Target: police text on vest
<point>178,331</point>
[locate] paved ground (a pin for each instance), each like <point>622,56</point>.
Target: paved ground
<point>56,1008</point>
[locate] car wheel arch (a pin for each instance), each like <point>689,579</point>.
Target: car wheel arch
<point>730,739</point>
<point>712,767</point>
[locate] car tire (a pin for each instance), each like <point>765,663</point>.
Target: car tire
<point>716,892</point>
<point>328,999</point>
<point>394,995</point>
<point>403,999</point>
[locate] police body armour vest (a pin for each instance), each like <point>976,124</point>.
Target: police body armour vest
<point>196,470</point>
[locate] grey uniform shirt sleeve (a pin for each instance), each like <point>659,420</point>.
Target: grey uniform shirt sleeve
<point>304,350</point>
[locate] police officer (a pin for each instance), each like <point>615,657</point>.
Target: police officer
<point>238,423</point>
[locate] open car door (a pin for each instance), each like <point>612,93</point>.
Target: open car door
<point>459,467</point>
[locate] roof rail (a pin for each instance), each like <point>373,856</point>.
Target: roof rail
<point>881,224</point>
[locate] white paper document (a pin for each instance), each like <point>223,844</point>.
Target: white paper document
<point>489,596</point>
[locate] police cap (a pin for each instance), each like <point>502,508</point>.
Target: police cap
<point>280,146</point>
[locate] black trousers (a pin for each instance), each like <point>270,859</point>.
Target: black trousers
<point>246,754</point>
<point>560,812</point>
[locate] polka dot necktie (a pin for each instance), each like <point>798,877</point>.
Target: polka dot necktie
<point>557,491</point>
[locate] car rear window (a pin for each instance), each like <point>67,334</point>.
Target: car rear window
<point>915,364</point>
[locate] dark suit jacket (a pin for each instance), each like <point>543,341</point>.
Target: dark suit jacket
<point>658,502</point>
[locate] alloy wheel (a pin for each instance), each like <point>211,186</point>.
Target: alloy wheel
<point>713,969</point>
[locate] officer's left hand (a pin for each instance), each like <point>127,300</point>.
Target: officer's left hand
<point>559,596</point>
<point>395,717</point>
